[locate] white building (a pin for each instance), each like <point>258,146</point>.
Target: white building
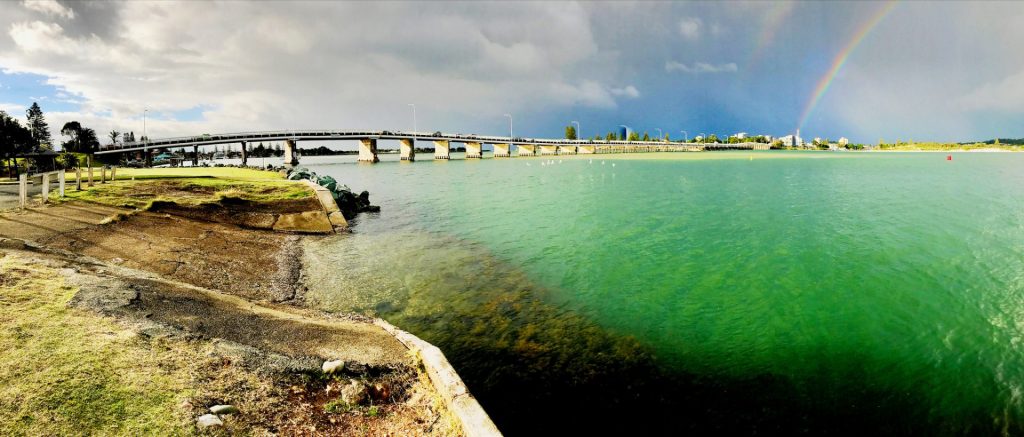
<point>843,142</point>
<point>741,136</point>
<point>791,141</point>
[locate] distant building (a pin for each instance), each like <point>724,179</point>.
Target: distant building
<point>625,132</point>
<point>698,138</point>
<point>791,141</point>
<point>741,136</point>
<point>843,142</point>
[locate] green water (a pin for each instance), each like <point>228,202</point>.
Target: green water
<point>729,291</point>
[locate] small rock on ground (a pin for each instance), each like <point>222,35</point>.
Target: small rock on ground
<point>208,420</point>
<point>223,409</point>
<point>332,366</point>
<point>353,393</point>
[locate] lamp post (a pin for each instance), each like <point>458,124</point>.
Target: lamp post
<point>414,129</point>
<point>660,136</point>
<point>686,137</point>
<point>144,111</point>
<point>703,139</point>
<point>509,127</point>
<point>577,129</point>
<point>627,131</point>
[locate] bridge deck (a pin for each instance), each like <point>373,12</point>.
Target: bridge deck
<point>329,135</point>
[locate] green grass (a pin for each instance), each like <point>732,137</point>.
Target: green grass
<point>185,172</point>
<point>69,372</point>
<point>171,187</point>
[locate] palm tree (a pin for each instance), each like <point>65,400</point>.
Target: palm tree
<point>88,142</point>
<point>113,137</point>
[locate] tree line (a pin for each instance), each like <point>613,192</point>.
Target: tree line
<point>33,137</point>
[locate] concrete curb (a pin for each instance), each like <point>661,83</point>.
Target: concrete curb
<point>330,206</point>
<point>474,420</point>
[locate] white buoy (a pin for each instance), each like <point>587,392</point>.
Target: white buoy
<point>613,164</point>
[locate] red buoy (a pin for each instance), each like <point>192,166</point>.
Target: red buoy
<point>949,157</point>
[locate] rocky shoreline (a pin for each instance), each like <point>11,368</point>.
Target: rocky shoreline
<point>182,276</point>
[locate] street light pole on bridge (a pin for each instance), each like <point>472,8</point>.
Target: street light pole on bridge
<point>578,135</point>
<point>414,129</point>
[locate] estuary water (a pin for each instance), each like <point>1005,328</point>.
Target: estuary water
<point>751,292</point>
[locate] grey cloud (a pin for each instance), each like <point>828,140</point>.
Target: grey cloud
<point>316,64</point>
<point>700,67</point>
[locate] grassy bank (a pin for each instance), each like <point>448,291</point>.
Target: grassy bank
<point>69,372</point>
<point>138,188</point>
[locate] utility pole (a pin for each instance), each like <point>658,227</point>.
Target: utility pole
<point>578,135</point>
<point>414,129</point>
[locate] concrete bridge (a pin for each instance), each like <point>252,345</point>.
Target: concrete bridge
<point>442,144</point>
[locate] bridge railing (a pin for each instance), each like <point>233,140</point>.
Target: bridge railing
<point>183,141</point>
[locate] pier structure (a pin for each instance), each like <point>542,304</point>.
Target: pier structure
<point>503,147</point>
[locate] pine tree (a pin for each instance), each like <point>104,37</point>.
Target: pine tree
<point>37,125</point>
<point>647,137</point>
<point>570,132</point>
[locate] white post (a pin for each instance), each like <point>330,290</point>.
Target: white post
<point>46,187</point>
<point>23,190</point>
<point>78,178</point>
<point>113,172</point>
<point>60,179</point>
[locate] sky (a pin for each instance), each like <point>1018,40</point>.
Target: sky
<point>868,71</point>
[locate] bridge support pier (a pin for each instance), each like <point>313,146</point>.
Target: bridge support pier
<point>501,151</point>
<point>195,156</point>
<point>245,155</point>
<point>368,150</point>
<point>566,150</point>
<point>474,150</point>
<point>148,157</point>
<point>408,149</point>
<point>442,150</point>
<point>526,150</point>
<point>586,150</point>
<point>548,150</point>
<point>290,158</point>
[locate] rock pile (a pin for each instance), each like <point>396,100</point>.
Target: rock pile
<point>349,203</point>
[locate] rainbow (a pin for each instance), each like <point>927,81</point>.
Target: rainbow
<point>776,16</point>
<point>840,60</point>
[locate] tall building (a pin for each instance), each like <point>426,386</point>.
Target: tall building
<point>624,132</point>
